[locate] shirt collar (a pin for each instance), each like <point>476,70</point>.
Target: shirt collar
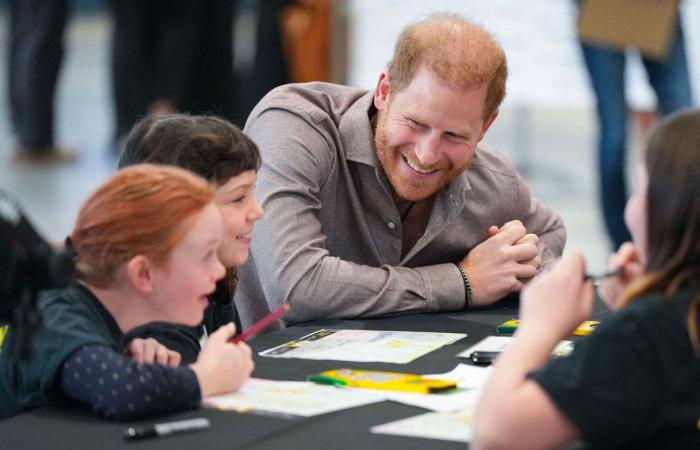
<point>356,131</point>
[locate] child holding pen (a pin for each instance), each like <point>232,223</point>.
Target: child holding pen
<point>146,247</point>
<point>633,383</point>
<point>219,152</point>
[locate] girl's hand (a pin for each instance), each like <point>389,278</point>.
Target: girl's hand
<point>556,302</point>
<point>628,261</point>
<point>222,366</point>
<point>150,351</point>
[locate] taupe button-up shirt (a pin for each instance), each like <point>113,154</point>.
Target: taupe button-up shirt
<point>330,241</point>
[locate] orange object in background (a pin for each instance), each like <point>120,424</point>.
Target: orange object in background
<point>306,38</point>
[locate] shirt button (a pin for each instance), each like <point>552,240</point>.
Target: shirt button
<point>391,225</point>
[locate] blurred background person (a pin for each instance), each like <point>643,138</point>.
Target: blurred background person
<point>34,60</point>
<point>271,65</point>
<point>170,56</point>
<point>605,65</point>
<point>292,45</point>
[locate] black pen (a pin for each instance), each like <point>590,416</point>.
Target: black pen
<point>164,429</point>
<point>598,278</point>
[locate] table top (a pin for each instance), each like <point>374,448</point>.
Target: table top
<point>51,428</point>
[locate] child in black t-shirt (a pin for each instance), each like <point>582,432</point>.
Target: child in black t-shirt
<point>633,383</point>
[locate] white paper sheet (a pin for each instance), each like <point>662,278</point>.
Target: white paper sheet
<point>294,398</point>
<point>466,376</point>
<point>434,402</point>
<point>399,347</point>
<point>452,426</point>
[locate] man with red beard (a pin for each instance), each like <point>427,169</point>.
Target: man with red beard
<point>382,202</point>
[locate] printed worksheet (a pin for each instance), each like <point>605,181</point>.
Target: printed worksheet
<point>399,347</point>
<point>289,398</point>
<point>447,426</point>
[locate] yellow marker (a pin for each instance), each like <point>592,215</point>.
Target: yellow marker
<point>3,332</point>
<point>586,327</point>
<point>376,379</point>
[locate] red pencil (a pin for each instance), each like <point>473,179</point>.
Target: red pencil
<point>261,324</point>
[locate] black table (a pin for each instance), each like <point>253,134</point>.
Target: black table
<point>48,428</point>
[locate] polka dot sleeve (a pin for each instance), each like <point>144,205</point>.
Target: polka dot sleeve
<point>119,388</point>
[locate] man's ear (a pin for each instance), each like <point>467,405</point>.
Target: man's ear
<point>381,92</point>
<point>139,271</point>
<point>487,124</point>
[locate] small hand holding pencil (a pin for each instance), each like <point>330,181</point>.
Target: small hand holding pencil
<point>261,324</point>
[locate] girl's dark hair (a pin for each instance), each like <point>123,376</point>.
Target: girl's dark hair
<point>673,213</point>
<point>209,146</point>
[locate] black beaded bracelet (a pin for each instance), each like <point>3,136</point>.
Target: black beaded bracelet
<point>467,287</point>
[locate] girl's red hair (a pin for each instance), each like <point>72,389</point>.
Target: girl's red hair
<point>141,210</point>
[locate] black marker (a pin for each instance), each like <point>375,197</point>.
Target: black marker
<point>597,279</point>
<point>483,357</point>
<point>164,429</point>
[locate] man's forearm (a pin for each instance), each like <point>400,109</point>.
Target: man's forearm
<point>334,288</point>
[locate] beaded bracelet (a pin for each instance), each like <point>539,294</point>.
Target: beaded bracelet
<point>467,287</point>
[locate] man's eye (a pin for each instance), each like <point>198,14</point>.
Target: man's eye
<point>414,124</point>
<point>456,137</point>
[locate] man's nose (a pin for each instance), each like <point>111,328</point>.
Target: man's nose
<point>428,149</point>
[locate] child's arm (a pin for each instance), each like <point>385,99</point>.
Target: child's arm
<point>515,412</point>
<point>119,387</point>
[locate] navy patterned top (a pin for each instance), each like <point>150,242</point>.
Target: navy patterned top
<point>78,357</point>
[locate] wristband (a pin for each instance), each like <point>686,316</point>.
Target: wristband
<point>467,287</point>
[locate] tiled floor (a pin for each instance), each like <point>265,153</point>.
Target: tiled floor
<point>553,146</point>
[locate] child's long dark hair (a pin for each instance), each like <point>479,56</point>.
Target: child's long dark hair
<point>673,213</point>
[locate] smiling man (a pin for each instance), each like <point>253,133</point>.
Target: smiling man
<point>383,202</point>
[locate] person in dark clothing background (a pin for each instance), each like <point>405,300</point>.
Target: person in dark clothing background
<point>34,61</point>
<point>171,56</point>
<point>670,79</point>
